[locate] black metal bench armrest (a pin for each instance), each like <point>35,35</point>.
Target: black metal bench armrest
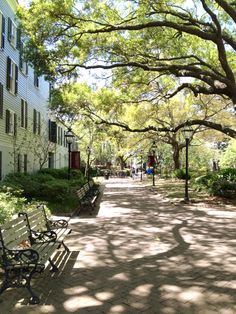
<point>60,223</point>
<point>22,256</point>
<point>43,236</point>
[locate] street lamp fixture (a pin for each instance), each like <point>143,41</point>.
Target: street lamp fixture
<point>153,149</point>
<point>88,151</point>
<point>69,140</point>
<point>188,133</point>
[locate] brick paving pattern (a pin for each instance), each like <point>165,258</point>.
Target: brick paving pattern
<point>139,254</point>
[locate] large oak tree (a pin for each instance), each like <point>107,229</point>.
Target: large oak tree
<point>169,40</point>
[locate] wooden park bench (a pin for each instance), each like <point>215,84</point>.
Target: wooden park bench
<point>87,196</point>
<point>21,256</point>
<point>38,222</point>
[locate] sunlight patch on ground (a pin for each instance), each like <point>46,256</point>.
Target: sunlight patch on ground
<point>222,213</point>
<point>104,296</point>
<point>142,290</point>
<point>79,302</point>
<point>75,290</point>
<point>121,277</point>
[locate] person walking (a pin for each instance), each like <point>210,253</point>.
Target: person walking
<point>133,173</point>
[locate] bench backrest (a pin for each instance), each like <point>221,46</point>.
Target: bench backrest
<point>13,233</point>
<point>86,187</point>
<point>37,219</point>
<point>91,183</point>
<point>80,193</point>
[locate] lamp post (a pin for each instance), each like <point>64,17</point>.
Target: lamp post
<point>88,151</point>
<point>187,132</point>
<point>153,148</point>
<point>69,139</point>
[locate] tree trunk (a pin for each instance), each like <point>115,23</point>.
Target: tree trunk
<point>121,162</point>
<point>176,156</point>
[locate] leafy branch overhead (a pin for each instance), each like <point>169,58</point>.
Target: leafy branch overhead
<point>174,39</point>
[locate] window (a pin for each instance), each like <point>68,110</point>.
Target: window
<point>24,114</point>
<point>25,163</point>
<point>19,162</point>
<point>11,122</point>
<point>22,63</point>
<point>12,33</point>
<point>12,76</point>
<point>2,31</point>
<point>36,80</point>
<point>59,136</point>
<point>51,160</point>
<point>1,101</point>
<point>51,88</point>
<point>52,127</point>
<point>36,122</point>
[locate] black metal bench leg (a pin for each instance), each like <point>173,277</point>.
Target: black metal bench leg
<point>4,286</point>
<point>34,299</point>
<point>54,267</point>
<point>65,247</point>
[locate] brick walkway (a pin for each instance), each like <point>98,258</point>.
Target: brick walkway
<point>140,254</point>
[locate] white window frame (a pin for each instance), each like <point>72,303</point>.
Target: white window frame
<point>13,34</point>
<point>24,67</point>
<point>11,122</point>
<point>24,118</point>
<point>12,76</point>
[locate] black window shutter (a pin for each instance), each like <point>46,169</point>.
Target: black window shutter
<point>22,113</point>
<point>53,132</point>
<point>18,39</point>
<point>9,30</point>
<point>26,115</point>
<point>36,80</point>
<point>1,100</point>
<point>16,79</point>
<point>7,121</point>
<point>15,123</point>
<point>35,122</point>
<point>20,56</point>
<point>49,130</point>
<point>39,123</point>
<point>58,132</point>
<point>8,72</point>
<point>3,32</point>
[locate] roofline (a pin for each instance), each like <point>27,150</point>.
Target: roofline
<point>13,4</point>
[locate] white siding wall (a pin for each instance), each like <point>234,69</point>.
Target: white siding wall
<point>37,98</point>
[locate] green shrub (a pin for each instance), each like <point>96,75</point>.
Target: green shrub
<point>55,173</point>
<point>12,202</point>
<point>24,182</point>
<point>50,185</point>
<point>55,191</point>
<point>61,173</point>
<point>180,174</point>
<point>42,177</point>
<point>227,174</point>
<point>221,183</point>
